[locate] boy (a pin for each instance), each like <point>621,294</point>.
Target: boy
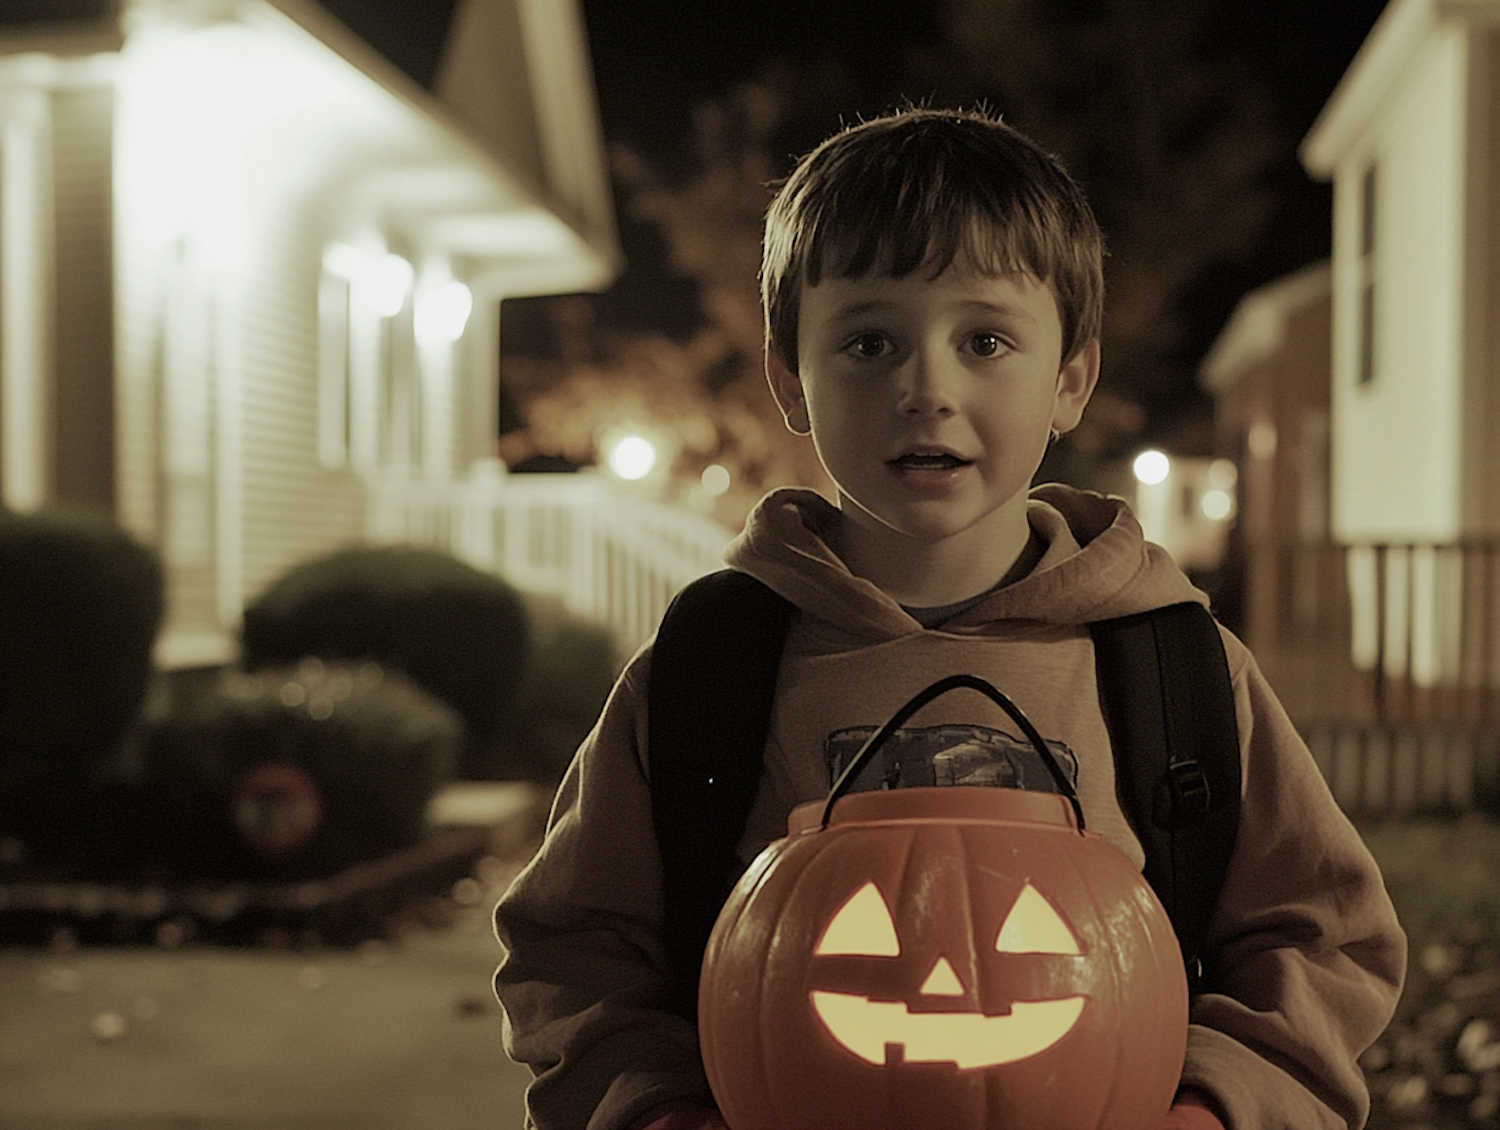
<point>933,288</point>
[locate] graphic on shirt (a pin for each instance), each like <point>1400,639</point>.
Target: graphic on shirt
<point>947,755</point>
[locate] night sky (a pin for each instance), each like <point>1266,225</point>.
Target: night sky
<point>655,60</point>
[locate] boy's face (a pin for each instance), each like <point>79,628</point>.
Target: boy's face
<point>931,401</point>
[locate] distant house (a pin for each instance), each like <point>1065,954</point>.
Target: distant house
<point>1411,141</point>
<point>1269,373</point>
<point>250,271</point>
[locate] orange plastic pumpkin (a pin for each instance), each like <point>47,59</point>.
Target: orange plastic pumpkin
<point>955,957</point>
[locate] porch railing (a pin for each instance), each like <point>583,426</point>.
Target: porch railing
<point>610,554</point>
<point>1387,656</point>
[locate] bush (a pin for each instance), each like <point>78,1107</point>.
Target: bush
<point>80,605</point>
<point>460,633</point>
<point>292,772</point>
<point>572,670</point>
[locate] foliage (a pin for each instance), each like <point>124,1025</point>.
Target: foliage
<point>573,667</point>
<point>354,753</point>
<point>80,605</point>
<point>461,634</point>
<point>704,398</point>
<point>1438,1064</point>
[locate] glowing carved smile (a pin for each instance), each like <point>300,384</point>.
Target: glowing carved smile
<point>969,1039</point>
<point>863,927</point>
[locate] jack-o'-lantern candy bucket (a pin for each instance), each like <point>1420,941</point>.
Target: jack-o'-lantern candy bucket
<point>954,957</point>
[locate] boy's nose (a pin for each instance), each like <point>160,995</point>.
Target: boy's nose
<point>925,388</point>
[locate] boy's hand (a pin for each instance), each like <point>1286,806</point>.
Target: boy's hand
<point>1191,1111</point>
<point>680,1114</point>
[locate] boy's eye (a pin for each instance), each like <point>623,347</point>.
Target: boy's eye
<point>986,344</point>
<point>867,345</point>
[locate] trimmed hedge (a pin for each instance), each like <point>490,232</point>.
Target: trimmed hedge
<point>80,604</point>
<point>572,670</point>
<point>292,772</point>
<point>461,634</point>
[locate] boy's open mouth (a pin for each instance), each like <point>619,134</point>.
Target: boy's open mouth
<point>940,461</point>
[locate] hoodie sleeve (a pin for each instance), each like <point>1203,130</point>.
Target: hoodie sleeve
<point>584,980</point>
<point>1305,949</point>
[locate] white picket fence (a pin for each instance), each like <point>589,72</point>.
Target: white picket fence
<point>611,554</point>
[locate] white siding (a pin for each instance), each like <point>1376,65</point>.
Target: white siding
<point>293,506</point>
<point>1399,438</point>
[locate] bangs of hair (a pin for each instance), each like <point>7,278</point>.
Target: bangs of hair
<point>897,223</point>
<point>919,191</point>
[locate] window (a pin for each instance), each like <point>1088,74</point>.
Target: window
<point>334,384</point>
<point>1365,370</point>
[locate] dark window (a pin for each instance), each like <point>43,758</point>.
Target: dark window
<point>1365,372</point>
<point>55,11</point>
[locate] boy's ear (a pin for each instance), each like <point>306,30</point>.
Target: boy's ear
<point>1075,384</point>
<point>786,387</point>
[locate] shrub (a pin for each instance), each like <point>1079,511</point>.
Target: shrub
<point>293,772</point>
<point>460,633</point>
<point>80,605</point>
<point>572,670</point>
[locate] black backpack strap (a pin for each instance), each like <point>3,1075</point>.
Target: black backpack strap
<point>712,684</point>
<point>1165,688</point>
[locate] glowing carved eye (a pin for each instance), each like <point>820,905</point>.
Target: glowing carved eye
<point>863,926</point>
<point>1034,926</point>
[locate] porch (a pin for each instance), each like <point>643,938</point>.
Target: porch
<point>1387,657</point>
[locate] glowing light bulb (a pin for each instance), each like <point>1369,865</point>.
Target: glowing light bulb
<point>632,457</point>
<point>443,312</point>
<point>388,279</point>
<point>1216,504</point>
<point>1152,467</point>
<point>715,479</point>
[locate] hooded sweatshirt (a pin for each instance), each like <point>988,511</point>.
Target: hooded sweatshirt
<point>1308,954</point>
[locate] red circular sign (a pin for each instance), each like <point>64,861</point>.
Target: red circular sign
<point>277,808</point>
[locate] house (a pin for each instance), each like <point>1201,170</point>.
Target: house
<point>1409,140</point>
<point>1269,373</point>
<point>250,273</point>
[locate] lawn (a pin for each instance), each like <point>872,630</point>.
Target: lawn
<point>1438,1065</point>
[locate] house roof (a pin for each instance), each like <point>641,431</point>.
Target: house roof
<point>511,82</point>
<point>499,158</point>
<point>1386,51</point>
<point>513,74</point>
<point>1257,328</point>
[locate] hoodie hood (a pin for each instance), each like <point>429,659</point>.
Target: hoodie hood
<point>1096,564</point>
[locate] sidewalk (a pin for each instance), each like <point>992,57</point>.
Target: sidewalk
<point>385,1036</point>
<point>405,1037</point>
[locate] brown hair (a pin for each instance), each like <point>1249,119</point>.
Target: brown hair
<point>918,189</point>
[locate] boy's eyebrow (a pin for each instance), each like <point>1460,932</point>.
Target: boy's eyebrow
<point>861,307</point>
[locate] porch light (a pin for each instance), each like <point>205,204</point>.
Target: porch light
<point>631,457</point>
<point>383,280</point>
<point>1152,467</point>
<point>715,479</point>
<point>1216,504</point>
<point>388,281</point>
<point>443,311</point>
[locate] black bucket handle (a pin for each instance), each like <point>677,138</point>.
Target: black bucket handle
<point>921,699</point>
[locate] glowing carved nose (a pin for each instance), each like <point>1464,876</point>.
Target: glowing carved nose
<point>942,981</point>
